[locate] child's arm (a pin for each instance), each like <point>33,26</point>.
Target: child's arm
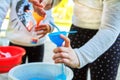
<point>44,27</point>
<point>4,6</point>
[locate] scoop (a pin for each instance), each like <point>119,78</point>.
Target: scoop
<point>7,54</point>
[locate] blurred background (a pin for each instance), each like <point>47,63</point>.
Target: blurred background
<point>62,13</point>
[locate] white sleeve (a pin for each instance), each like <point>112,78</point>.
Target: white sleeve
<point>4,6</point>
<point>105,37</point>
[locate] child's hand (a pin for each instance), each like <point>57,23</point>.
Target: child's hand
<point>66,54</point>
<point>42,30</point>
<point>41,5</point>
<point>36,2</point>
<point>38,7</point>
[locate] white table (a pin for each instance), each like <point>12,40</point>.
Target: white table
<point>4,76</point>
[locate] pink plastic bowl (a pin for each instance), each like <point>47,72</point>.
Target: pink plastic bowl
<point>16,57</point>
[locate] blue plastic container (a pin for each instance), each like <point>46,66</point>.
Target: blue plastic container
<point>38,71</point>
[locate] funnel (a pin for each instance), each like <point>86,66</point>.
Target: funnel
<point>38,18</point>
<point>55,38</point>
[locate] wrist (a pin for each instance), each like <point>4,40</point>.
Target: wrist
<point>51,28</point>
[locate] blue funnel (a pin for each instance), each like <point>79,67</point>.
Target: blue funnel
<point>56,39</point>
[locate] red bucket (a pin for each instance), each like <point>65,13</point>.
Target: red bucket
<point>6,63</point>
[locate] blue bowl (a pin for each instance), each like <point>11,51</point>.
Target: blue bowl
<point>38,71</point>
